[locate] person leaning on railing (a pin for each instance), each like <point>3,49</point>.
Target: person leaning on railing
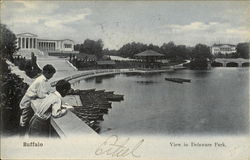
<point>37,90</point>
<point>39,125</point>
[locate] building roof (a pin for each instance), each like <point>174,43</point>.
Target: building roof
<point>106,62</point>
<point>219,45</point>
<point>26,34</point>
<point>149,53</point>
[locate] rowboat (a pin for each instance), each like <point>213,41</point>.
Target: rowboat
<point>178,80</point>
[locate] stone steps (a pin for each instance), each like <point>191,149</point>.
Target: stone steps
<point>27,53</point>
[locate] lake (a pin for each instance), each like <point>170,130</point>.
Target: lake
<point>215,102</point>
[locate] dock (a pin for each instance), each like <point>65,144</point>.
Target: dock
<point>178,80</point>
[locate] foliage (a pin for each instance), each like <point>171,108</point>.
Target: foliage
<point>91,47</point>
<point>199,63</point>
<point>7,42</point>
<point>170,50</point>
<point>243,50</point>
<point>201,51</point>
<point>12,90</point>
<point>29,66</point>
<point>112,52</point>
<point>176,52</point>
<point>130,49</point>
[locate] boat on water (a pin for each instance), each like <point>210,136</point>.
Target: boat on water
<point>178,80</point>
<point>145,82</point>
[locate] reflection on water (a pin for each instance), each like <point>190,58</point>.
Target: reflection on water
<point>215,102</point>
<point>99,79</point>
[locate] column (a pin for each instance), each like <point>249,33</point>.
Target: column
<point>31,45</point>
<point>28,40</point>
<point>21,42</point>
<point>25,43</point>
<point>34,43</point>
<point>31,42</point>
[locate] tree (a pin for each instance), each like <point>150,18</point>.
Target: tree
<point>7,42</point>
<point>91,47</point>
<point>175,52</point>
<point>181,52</point>
<point>243,50</point>
<point>169,49</point>
<point>201,51</point>
<point>130,49</point>
<point>154,48</point>
<point>112,52</point>
<point>200,55</point>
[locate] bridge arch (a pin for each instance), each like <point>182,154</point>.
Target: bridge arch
<point>217,64</point>
<point>246,64</point>
<point>232,64</point>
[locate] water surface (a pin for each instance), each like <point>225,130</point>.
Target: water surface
<point>215,102</point>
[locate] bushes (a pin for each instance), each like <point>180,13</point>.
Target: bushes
<point>199,64</point>
<point>12,90</point>
<point>29,66</point>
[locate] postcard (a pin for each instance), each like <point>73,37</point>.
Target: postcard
<point>125,80</point>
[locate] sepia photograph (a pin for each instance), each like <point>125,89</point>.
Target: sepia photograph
<point>124,79</point>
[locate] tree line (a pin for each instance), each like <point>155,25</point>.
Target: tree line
<point>170,50</point>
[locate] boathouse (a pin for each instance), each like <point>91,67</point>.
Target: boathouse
<point>150,59</point>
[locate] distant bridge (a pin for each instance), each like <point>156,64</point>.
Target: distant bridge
<point>231,62</point>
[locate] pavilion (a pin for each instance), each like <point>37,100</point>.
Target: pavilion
<point>149,59</point>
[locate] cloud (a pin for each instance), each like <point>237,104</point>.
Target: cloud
<point>192,27</point>
<point>239,31</point>
<point>35,11</point>
<point>62,19</point>
<point>117,26</point>
<point>200,32</point>
<point>187,34</point>
<point>43,18</point>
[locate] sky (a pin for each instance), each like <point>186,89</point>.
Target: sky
<point>118,23</point>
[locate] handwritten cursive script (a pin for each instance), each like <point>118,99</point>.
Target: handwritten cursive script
<point>116,148</point>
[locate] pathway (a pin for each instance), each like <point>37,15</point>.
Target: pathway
<point>62,66</point>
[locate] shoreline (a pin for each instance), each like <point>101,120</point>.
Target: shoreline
<point>103,72</point>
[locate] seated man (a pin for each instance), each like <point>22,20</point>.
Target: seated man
<point>51,105</point>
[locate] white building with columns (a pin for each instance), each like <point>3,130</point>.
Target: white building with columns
<point>29,41</point>
<point>223,49</point>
